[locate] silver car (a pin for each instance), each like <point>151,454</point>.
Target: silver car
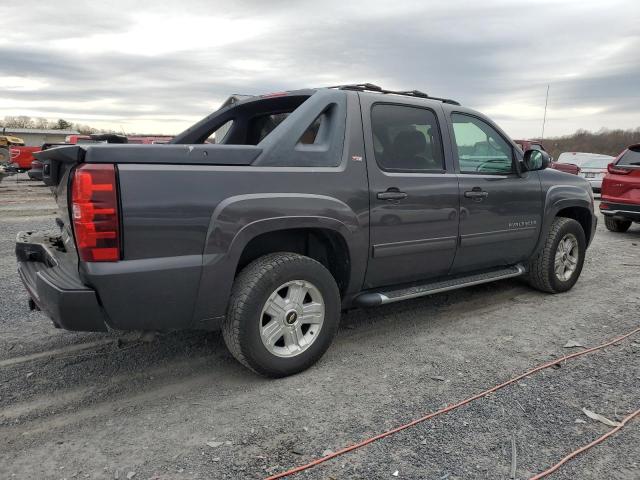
<point>593,166</point>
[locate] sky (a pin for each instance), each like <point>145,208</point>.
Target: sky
<point>157,67</point>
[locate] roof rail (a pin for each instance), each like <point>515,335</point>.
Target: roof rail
<point>370,87</point>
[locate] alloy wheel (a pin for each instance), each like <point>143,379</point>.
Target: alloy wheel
<point>292,318</point>
<point>566,260</point>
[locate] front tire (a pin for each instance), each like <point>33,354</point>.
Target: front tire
<point>283,313</point>
<point>557,267</point>
<point>614,225</point>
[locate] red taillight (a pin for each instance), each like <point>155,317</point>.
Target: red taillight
<point>613,168</point>
<point>94,208</point>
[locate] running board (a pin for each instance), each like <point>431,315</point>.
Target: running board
<point>388,295</point>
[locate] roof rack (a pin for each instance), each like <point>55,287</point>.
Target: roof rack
<point>370,87</point>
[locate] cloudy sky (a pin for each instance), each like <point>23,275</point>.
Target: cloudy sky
<point>148,67</point>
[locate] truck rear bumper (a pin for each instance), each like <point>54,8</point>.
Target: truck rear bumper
<point>52,281</point>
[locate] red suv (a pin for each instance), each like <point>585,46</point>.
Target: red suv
<point>620,203</point>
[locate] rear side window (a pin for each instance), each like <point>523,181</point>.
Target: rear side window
<point>481,149</point>
<point>263,125</point>
<point>631,157</point>
<point>219,135</point>
<point>406,139</point>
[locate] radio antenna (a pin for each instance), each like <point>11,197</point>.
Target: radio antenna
<point>544,119</point>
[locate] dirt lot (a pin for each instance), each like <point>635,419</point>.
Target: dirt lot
<point>76,405</point>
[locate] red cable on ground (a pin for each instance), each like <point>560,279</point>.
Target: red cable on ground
<point>585,447</point>
<point>446,409</point>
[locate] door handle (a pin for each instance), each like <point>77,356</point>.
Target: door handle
<point>391,194</point>
<point>476,194</point>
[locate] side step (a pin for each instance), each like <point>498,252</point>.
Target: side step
<point>389,295</point>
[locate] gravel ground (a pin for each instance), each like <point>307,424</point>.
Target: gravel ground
<point>76,405</point>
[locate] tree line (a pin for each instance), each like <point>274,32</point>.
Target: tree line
<point>604,141</point>
<point>24,121</point>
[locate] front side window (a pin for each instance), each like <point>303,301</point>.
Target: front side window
<point>480,147</point>
<point>406,139</point>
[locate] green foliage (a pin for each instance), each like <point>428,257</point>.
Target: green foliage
<point>62,124</point>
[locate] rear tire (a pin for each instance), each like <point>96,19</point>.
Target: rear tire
<point>557,267</point>
<point>283,313</point>
<point>614,225</point>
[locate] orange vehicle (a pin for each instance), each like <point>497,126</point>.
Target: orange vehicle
<point>6,142</point>
<point>21,157</point>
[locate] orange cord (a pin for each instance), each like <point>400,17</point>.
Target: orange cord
<point>585,447</point>
<point>446,409</point>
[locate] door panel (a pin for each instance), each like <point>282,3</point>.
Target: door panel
<point>500,211</point>
<point>501,228</point>
<point>413,199</point>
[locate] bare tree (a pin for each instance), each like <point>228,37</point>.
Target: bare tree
<point>43,123</point>
<point>21,121</point>
<point>605,141</point>
<point>85,129</point>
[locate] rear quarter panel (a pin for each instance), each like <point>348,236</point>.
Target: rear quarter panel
<point>185,226</point>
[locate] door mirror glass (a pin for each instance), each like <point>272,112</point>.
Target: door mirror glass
<point>536,160</point>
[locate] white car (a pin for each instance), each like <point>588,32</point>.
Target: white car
<point>593,166</point>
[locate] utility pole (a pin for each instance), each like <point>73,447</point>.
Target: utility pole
<point>544,119</point>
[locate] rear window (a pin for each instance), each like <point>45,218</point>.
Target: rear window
<point>631,157</point>
<point>580,159</point>
<point>406,138</point>
<point>597,162</point>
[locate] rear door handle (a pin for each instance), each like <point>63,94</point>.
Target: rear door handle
<point>391,194</point>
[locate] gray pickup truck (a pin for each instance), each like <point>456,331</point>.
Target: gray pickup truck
<point>272,215</point>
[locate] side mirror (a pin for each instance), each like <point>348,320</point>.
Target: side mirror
<point>536,160</point>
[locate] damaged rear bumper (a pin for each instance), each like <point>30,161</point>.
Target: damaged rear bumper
<point>50,275</point>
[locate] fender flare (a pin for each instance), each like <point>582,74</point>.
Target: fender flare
<point>239,219</point>
<point>557,200</point>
